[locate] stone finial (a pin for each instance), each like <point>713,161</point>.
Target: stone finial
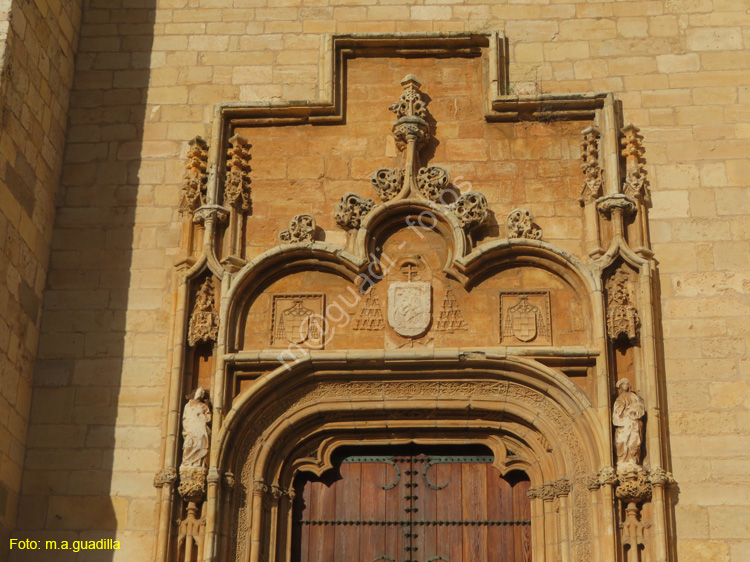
<point>204,321</point>
<point>521,225</point>
<point>301,229</point>
<point>636,183</point>
<point>592,184</point>
<point>237,188</point>
<point>194,180</point>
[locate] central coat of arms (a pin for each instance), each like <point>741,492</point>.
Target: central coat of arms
<point>525,317</point>
<point>410,305</point>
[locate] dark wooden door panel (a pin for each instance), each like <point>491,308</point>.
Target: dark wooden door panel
<point>416,507</point>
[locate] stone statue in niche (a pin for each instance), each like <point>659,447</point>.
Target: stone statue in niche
<point>627,417</point>
<point>196,431</point>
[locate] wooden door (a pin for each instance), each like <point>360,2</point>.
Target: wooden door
<point>416,506</point>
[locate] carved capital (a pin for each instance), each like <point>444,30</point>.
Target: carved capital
<point>229,480</point>
<point>165,476</point>
<point>471,210</point>
<point>592,482</point>
<point>208,213</point>
<point>548,492</point>
<point>534,492</point>
<point>521,225</point>
<point>661,478</point>
<point>192,484</point>
<point>634,485</point>
<point>301,229</point>
<point>608,476</point>
<point>561,487</point>
<point>259,487</point>
<point>611,203</point>
<point>351,210</point>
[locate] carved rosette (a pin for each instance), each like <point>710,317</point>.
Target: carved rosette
<point>301,229</point>
<point>204,322</point>
<point>432,181</point>
<point>194,180</point>
<point>592,184</point>
<point>165,476</point>
<point>622,315</point>
<point>521,225</point>
<point>351,210</point>
<point>471,210</point>
<point>193,484</point>
<point>237,188</point>
<point>636,183</point>
<point>411,110</point>
<point>387,182</point>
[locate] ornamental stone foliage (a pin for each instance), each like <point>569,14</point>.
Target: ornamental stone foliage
<point>301,229</point>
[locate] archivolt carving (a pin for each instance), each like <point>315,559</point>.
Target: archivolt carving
<point>390,391</point>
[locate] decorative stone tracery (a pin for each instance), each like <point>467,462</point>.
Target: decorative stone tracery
<point>301,229</point>
<point>521,225</point>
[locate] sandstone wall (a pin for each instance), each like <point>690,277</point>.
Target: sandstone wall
<point>147,76</point>
<point>37,45</point>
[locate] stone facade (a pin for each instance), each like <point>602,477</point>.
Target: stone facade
<point>148,75</point>
<point>37,48</point>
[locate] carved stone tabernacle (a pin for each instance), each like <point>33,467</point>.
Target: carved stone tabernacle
<point>636,183</point>
<point>204,322</point>
<point>622,315</point>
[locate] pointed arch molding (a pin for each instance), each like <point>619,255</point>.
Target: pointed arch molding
<point>294,418</point>
<point>519,401</point>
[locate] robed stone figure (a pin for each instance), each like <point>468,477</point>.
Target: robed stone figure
<point>196,431</point>
<point>627,417</point>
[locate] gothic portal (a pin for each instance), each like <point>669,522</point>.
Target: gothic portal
<point>447,351</point>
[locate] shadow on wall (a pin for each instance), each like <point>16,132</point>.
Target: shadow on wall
<point>68,492</point>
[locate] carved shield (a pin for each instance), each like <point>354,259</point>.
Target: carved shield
<point>410,307</point>
<point>298,324</point>
<point>522,319</point>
